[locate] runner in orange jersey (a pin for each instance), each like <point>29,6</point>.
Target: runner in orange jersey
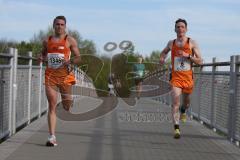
<point>56,51</point>
<point>184,52</point>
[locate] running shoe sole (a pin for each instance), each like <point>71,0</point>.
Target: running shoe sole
<point>50,144</point>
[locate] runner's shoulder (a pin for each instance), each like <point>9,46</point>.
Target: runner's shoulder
<point>193,43</point>
<point>170,44</point>
<point>71,39</point>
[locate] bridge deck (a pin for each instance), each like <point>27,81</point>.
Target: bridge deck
<point>140,132</point>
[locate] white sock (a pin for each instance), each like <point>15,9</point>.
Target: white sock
<point>176,117</point>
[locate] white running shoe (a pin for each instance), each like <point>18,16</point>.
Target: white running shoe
<point>51,142</point>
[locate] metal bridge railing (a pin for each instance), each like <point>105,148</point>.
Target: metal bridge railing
<point>22,91</point>
<point>216,96</point>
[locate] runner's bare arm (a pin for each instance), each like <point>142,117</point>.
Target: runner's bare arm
<point>43,55</point>
<point>196,58</point>
<point>75,50</point>
<point>164,52</point>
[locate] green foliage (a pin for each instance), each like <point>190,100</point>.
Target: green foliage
<point>87,47</point>
<point>35,43</point>
<point>120,68</point>
<point>98,69</point>
<point>130,50</point>
<point>154,57</point>
<point>4,48</point>
<point>131,58</point>
<point>6,44</point>
<point>153,61</point>
<point>102,80</point>
<point>25,47</point>
<point>41,35</point>
<point>91,65</point>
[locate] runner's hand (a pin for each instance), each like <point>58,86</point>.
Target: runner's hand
<point>162,60</point>
<point>40,58</point>
<point>69,65</point>
<point>66,62</point>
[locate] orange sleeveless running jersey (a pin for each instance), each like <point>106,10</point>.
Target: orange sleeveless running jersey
<point>182,74</point>
<point>55,73</point>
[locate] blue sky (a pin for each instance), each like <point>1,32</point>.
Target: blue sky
<point>149,24</point>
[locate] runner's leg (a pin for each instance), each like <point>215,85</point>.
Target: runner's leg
<point>176,93</point>
<point>186,100</point>
<point>66,94</point>
<point>51,93</point>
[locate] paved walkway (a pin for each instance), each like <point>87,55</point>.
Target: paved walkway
<point>143,132</point>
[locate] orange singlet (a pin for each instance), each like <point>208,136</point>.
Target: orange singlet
<point>55,73</point>
<point>182,75</point>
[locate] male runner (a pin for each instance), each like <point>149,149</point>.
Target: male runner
<point>57,50</point>
<point>184,52</point>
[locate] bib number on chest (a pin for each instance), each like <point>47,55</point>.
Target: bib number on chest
<point>181,64</point>
<point>55,60</point>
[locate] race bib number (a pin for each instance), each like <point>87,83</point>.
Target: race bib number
<point>55,60</point>
<point>182,64</point>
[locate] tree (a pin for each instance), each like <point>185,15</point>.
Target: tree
<point>155,55</point>
<point>6,44</point>
<point>85,46</point>
<point>41,35</point>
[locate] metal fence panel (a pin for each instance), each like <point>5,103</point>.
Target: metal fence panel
<point>221,102</point>
<point>194,103</point>
<point>35,90</point>
<point>206,97</point>
<point>237,133</point>
<point>4,101</point>
<point>22,96</point>
<point>215,98</point>
<point>44,103</point>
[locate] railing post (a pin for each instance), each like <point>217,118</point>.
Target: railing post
<point>2,81</point>
<point>234,69</point>
<point>214,69</point>
<point>200,92</point>
<point>40,90</point>
<point>11,52</point>
<point>13,90</point>
<point>29,88</point>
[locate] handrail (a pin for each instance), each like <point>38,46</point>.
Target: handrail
<point>213,64</point>
<point>6,55</point>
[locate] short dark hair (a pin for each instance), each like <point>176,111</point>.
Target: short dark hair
<point>60,17</point>
<point>181,20</point>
